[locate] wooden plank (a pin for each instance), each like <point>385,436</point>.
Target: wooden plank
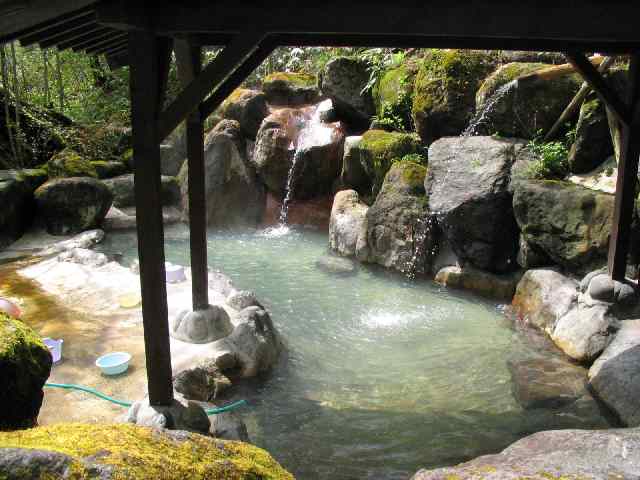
<point>189,60</point>
<point>214,73</point>
<point>109,45</point>
<point>599,85</point>
<point>627,179</point>
<point>588,23</point>
<point>146,53</point>
<point>237,77</point>
<point>84,39</point>
<point>98,43</point>
<point>80,24</point>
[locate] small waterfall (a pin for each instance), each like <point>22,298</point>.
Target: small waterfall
<point>284,209</point>
<point>482,116</point>
<point>424,247</point>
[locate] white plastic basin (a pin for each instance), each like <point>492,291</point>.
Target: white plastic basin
<point>55,347</point>
<point>113,363</point>
<point>174,273</point>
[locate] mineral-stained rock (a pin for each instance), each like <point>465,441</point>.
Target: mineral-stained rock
<point>487,284</point>
<point>248,108</point>
<point>347,227</point>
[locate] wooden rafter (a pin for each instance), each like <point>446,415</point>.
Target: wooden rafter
<point>69,35</point>
<point>79,23</point>
<point>214,73</point>
<point>84,39</point>
<point>107,47</point>
<point>109,38</point>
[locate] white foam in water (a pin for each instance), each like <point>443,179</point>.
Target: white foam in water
<point>277,231</point>
<point>382,319</point>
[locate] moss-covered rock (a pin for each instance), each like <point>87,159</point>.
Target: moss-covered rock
<point>109,169</point>
<point>378,149</point>
<point>247,107</point>
<point>16,198</point>
<point>444,91</point>
<point>398,226</point>
<point>72,205</point>
<point>25,364</point>
<point>291,88</point>
<point>131,452</point>
<point>593,143</point>
<point>69,163</point>
<point>393,94</point>
<point>503,75</point>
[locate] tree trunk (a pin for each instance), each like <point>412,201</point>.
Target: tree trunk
<point>16,88</point>
<point>59,80</point>
<point>5,83</point>
<point>45,77</point>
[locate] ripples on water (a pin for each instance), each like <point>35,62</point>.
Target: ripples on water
<point>383,375</point>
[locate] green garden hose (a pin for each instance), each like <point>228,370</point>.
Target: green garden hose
<point>122,403</point>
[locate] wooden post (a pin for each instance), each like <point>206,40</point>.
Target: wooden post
<point>189,66</point>
<point>627,178</point>
<point>148,68</point>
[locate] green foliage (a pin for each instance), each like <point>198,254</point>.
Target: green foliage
<point>552,162</point>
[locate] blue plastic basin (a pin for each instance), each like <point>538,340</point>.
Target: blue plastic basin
<point>114,363</point>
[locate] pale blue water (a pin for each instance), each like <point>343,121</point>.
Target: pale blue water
<point>383,375</point>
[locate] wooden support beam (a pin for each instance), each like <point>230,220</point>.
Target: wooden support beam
<point>237,77</point>
<point>599,85</point>
<point>86,38</point>
<point>15,31</point>
<point>69,35</point>
<point>214,73</point>
<point>147,55</point>
<point>627,179</point>
<point>189,59</point>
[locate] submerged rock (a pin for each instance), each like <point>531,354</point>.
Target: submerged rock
<point>71,205</point>
<point>336,265</point>
<point>347,227</point>
<point>235,197</point>
<point>543,296</point>
<point>558,454</point>
<point>25,364</point>
<point>487,284</point>
<point>468,183</point>
<point>615,375</point>
<point>229,426</point>
<point>248,108</point>
<point>343,81</point>
<point>398,224</point>
<point>130,452</point>
<point>547,382</point>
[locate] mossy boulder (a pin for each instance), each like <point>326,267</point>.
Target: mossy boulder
<point>378,149</point>
<point>525,106</point>
<point>398,226</point>
<point>107,169</point>
<point>593,143</point>
<point>69,163</point>
<point>123,189</point>
<point>72,205</point>
<point>571,224</point>
<point>343,80</point>
<point>80,451</point>
<point>247,107</point>
<point>16,198</point>
<point>25,364</point>
<point>445,89</point>
<point>291,89</point>
<point>393,94</point>
<point>503,75</point>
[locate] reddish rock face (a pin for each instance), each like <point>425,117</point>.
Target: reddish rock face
<point>315,212</point>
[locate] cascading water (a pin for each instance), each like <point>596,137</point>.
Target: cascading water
<point>482,117</point>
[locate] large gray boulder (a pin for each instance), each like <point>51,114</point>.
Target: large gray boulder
<point>524,106</point>
<point>399,227</point>
<point>291,88</point>
<point>201,326</point>
<point>467,184</point>
<point>353,173</point>
<point>248,108</point>
<point>558,454</point>
<point>72,205</point>
<point>173,152</point>
<point>124,195</point>
<point>347,226</point>
<point>235,197</point>
<point>615,375</point>
<point>16,198</point>
<point>543,296</point>
<point>343,80</point>
<point>25,364</point>
<point>570,224</point>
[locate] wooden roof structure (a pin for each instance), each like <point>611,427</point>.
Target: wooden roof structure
<point>143,34</point>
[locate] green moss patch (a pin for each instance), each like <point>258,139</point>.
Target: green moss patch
<point>69,163</point>
<point>502,76</point>
<point>142,453</point>
<point>295,79</point>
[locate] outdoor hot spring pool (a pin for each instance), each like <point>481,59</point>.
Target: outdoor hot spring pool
<point>383,375</point>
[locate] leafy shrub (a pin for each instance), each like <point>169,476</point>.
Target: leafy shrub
<point>552,162</point>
